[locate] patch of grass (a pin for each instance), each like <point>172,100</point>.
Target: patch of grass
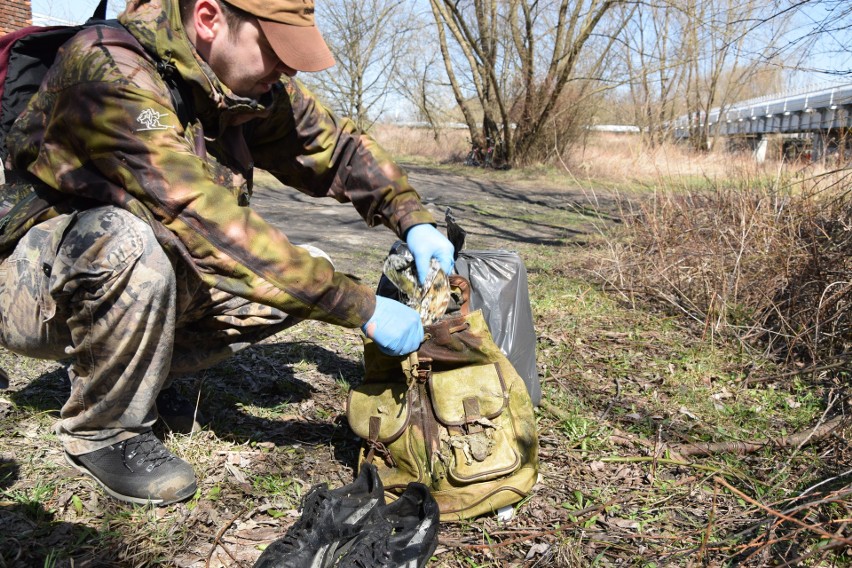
<point>641,381</point>
<point>150,537</point>
<point>280,487</point>
<point>34,502</point>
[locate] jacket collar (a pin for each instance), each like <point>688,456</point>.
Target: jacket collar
<point>157,25</point>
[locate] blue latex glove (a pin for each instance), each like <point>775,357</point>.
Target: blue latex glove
<point>396,328</point>
<point>426,242</point>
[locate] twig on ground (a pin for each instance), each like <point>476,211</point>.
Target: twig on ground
<point>798,439</point>
<point>217,541</point>
<point>815,550</point>
<point>780,515</point>
<point>710,520</point>
<point>664,461</point>
<point>824,481</point>
<point>843,362</point>
<point>612,402</point>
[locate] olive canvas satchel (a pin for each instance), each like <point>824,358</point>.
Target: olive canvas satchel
<point>455,416</point>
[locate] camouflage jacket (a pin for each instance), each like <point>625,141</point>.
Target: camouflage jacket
<point>103,129</point>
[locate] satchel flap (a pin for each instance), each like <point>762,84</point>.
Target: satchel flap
<point>468,394</point>
<point>378,411</point>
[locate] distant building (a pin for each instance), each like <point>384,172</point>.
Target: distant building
<point>15,14</point>
<point>618,128</point>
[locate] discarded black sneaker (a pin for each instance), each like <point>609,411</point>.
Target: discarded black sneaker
<point>403,534</point>
<point>179,414</point>
<point>138,470</point>
<point>330,519</point>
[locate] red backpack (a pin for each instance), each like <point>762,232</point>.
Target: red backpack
<point>25,57</point>
<point>27,54</point>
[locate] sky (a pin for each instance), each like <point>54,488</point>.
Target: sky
<point>71,10</point>
<point>836,56</point>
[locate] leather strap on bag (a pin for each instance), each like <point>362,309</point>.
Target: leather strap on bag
<point>472,414</point>
<point>461,283</point>
<point>375,446</point>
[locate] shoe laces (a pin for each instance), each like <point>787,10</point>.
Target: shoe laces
<point>371,552</point>
<point>311,511</point>
<point>145,450</point>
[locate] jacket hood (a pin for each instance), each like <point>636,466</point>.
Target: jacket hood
<point>157,25</point>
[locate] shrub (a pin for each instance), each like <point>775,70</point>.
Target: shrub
<point>765,260</point>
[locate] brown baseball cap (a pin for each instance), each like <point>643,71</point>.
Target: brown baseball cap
<point>290,29</point>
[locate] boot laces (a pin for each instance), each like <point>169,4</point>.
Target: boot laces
<point>145,450</point>
<point>373,553</point>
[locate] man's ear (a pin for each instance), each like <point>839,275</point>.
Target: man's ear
<point>208,20</point>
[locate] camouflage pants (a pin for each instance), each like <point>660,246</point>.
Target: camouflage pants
<point>96,288</point>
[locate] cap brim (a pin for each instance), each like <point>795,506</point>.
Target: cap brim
<point>299,47</point>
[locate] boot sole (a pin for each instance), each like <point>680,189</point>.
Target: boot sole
<point>186,494</point>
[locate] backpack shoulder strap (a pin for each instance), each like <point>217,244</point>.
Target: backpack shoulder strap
<point>179,90</point>
<point>100,11</point>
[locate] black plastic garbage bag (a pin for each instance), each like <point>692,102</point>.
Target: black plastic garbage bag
<point>498,287</point>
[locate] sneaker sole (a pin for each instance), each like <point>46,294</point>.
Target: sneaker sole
<point>324,557</point>
<point>128,498</point>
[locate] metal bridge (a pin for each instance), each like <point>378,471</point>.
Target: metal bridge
<point>819,116</point>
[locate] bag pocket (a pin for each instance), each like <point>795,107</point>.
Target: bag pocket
<point>471,404</point>
<point>378,412</point>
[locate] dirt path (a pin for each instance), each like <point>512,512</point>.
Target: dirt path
<point>495,214</point>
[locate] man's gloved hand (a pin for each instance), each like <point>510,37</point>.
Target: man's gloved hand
<point>426,242</point>
<point>396,328</point>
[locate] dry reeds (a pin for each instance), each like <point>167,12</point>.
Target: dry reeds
<point>442,145</point>
<point>765,260</point>
<point>620,157</point>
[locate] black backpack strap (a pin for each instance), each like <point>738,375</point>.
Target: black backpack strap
<point>179,89</point>
<point>100,11</point>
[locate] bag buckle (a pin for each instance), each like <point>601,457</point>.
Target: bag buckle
<point>377,447</point>
<point>419,370</point>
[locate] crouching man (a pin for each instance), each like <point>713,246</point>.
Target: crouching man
<point>131,248</point>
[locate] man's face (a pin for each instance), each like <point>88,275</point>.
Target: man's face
<point>245,62</point>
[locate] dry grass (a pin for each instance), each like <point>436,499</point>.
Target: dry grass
<point>762,259</point>
<point>620,158</point>
<point>444,146</point>
<point>600,160</point>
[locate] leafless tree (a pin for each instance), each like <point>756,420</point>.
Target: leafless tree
<point>687,57</point>
<point>727,43</point>
<point>819,44</point>
<point>368,39</point>
<point>654,67</point>
<point>509,62</point>
<point>421,80</point>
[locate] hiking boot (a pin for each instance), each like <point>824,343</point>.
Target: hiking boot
<point>402,535</point>
<point>177,412</point>
<point>330,519</point>
<point>138,470</point>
